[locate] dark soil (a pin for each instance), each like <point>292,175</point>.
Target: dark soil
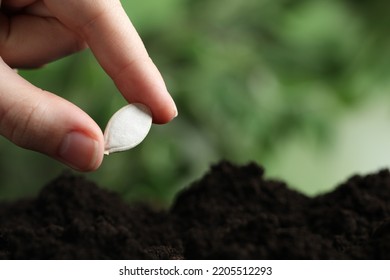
<point>231,213</point>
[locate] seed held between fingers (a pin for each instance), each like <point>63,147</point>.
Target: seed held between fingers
<point>127,128</point>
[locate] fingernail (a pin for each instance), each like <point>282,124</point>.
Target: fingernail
<point>175,113</point>
<point>79,151</point>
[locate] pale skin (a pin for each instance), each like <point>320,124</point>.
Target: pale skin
<point>33,33</point>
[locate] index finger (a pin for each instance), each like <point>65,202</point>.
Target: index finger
<point>117,46</point>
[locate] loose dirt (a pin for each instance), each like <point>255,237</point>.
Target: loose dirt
<point>233,212</point>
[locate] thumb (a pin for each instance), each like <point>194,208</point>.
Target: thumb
<point>41,121</point>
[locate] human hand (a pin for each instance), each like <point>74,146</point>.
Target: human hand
<point>35,32</point>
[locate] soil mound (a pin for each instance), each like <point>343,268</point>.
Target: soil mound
<point>233,212</point>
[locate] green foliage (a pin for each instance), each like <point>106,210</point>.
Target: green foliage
<point>247,76</point>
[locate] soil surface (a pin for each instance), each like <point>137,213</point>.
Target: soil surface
<point>233,212</point>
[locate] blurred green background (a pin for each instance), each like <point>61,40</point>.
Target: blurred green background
<point>298,86</point>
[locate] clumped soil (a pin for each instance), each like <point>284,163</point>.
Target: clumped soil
<point>233,212</point>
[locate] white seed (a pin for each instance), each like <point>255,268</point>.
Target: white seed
<point>127,128</point>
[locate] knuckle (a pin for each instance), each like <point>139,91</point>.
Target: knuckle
<point>23,124</point>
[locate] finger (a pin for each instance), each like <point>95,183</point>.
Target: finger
<point>31,41</point>
<point>118,48</point>
<point>37,9</point>
<point>17,4</point>
<point>31,7</point>
<point>38,120</point>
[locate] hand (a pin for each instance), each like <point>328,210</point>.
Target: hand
<point>33,33</point>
